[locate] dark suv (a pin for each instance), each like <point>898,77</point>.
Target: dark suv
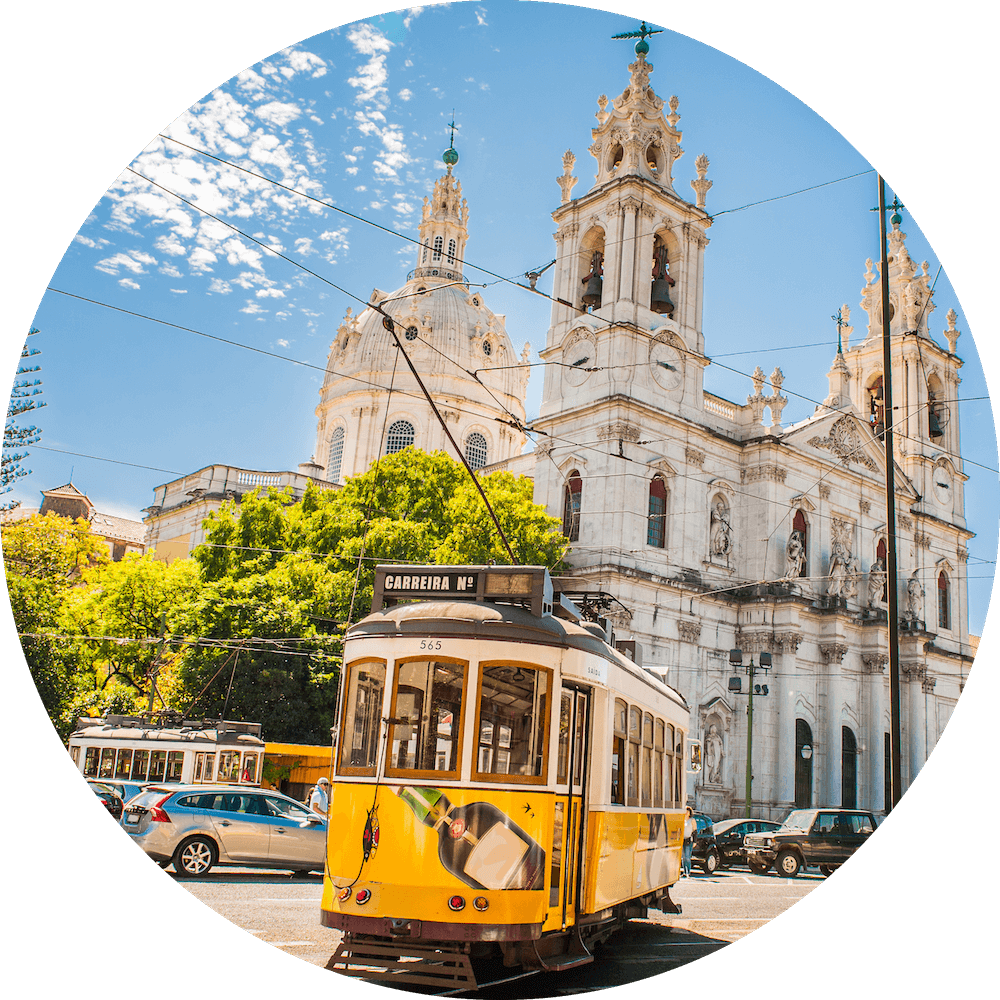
<point>704,851</point>
<point>730,834</point>
<point>823,838</point>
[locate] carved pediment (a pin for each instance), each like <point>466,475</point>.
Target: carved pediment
<point>845,440</point>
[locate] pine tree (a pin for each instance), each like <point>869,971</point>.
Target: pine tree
<point>16,437</point>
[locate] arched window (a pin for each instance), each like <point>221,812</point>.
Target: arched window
<point>803,764</point>
<point>944,600</point>
<point>572,495</point>
<point>799,525</point>
<point>335,458</point>
<point>848,769</point>
<point>438,245</point>
<point>475,450</point>
<point>656,531</point>
<point>451,251</point>
<point>937,416</point>
<point>880,555</point>
<point>400,436</point>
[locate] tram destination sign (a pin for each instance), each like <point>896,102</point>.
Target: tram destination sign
<point>527,586</point>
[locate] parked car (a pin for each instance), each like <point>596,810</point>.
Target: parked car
<point>729,834</point>
<point>704,851</point>
<point>823,838</point>
<point>125,790</point>
<point>110,799</point>
<point>196,828</point>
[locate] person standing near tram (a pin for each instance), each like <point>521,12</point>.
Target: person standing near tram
<point>689,830</point>
<point>319,800</point>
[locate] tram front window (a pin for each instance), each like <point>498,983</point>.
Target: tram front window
<point>426,727</point>
<point>512,725</point>
<point>362,724</point>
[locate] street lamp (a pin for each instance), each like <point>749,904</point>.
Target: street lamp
<point>761,690</point>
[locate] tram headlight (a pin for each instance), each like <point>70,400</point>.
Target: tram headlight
<point>456,903</point>
<point>481,903</point>
<point>344,894</point>
<point>363,896</point>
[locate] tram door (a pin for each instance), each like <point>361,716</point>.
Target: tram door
<point>568,818</point>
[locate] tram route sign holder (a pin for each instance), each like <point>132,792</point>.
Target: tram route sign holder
<point>529,587</point>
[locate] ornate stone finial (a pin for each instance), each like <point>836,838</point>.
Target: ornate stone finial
<point>846,330</point>
<point>701,185</point>
<point>777,379</point>
<point>566,182</point>
<point>776,401</point>
<point>602,113</point>
<point>673,117</point>
<point>951,333</point>
<point>758,380</point>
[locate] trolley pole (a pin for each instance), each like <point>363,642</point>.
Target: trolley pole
<point>890,505</point>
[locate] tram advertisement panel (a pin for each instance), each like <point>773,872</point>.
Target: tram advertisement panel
<point>394,840</point>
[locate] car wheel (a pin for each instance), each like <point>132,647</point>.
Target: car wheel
<point>827,869</point>
<point>195,856</point>
<point>758,869</point>
<point>787,863</point>
<point>711,864</point>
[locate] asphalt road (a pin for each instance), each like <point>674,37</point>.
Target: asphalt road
<point>284,912</point>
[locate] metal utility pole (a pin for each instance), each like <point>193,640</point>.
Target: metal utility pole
<point>735,687</point>
<point>890,508</point>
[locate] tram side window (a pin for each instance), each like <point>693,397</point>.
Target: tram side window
<point>426,731</point>
<point>90,761</point>
<point>634,726</point>
<point>658,764</point>
<point>359,732</point>
<point>140,764</point>
<point>175,765</point>
<point>669,767</point>
<point>647,760</point>
<point>123,768</point>
<point>249,772</point>
<point>229,765</point>
<point>107,768</point>
<point>565,714</point>
<point>74,755</point>
<point>204,766</point>
<point>157,764</point>
<point>618,753</point>
<point>678,767</point>
<point>513,711</point>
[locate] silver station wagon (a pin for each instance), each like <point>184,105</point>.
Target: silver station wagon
<point>197,827</point>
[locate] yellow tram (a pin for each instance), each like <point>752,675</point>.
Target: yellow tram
<point>508,785</point>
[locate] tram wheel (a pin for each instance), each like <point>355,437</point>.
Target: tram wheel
<point>194,856</point>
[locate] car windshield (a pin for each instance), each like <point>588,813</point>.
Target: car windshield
<point>798,820</point>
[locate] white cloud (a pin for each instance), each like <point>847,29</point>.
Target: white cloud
<point>304,246</point>
<point>252,309</point>
<point>403,207</point>
<point>405,94</point>
<point>128,283</point>
<point>130,262</point>
<point>179,291</point>
<point>170,271</point>
<point>170,244</point>
<point>278,114</point>
<point>304,62</point>
<point>282,343</point>
<point>272,293</point>
<point>85,240</point>
<point>352,171</point>
<point>220,287</point>
<point>481,17</point>
<point>368,40</point>
<point>201,258</point>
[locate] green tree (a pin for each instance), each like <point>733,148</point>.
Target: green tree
<point>15,436</point>
<point>123,620</point>
<point>44,559</point>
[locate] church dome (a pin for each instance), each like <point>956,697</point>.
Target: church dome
<point>458,345</point>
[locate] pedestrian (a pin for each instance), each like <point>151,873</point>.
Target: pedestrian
<point>319,801</point>
<point>690,826</point>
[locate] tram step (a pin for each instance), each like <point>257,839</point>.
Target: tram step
<point>391,962</point>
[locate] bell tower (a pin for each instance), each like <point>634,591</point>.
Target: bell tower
<point>925,380</point>
<point>629,267</point>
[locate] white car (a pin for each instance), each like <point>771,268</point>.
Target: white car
<point>199,826</point>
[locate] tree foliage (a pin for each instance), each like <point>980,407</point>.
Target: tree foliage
<point>251,627</point>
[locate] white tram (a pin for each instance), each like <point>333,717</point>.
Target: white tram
<point>509,787</point>
<point>136,749</point>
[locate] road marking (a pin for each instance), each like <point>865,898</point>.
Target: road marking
<point>291,944</point>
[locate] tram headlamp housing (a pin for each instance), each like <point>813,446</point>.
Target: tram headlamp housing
<point>481,903</point>
<point>456,903</point>
<point>363,896</point>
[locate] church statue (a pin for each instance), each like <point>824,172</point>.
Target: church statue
<point>876,583</point>
<point>839,559</point>
<point>713,756</point>
<point>722,531</point>
<point>795,556</point>
<point>914,598</point>
<point>850,590</point>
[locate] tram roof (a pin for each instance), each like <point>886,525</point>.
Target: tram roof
<point>131,728</point>
<point>481,620</point>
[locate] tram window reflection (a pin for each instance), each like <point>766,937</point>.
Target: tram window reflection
<point>426,730</point>
<point>229,765</point>
<point>565,712</point>
<point>175,765</point>
<point>618,753</point>
<point>140,764</point>
<point>107,768</point>
<point>123,768</point>
<point>90,762</point>
<point>513,710</point>
<point>157,764</point>
<point>362,717</point>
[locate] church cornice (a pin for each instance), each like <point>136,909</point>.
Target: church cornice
<point>617,190</point>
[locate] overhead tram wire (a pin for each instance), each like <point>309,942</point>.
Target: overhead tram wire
<point>387,322</point>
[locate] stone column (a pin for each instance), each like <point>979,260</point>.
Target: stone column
<point>829,720</point>
<point>787,645</point>
<point>875,737</point>
<point>626,288</point>
<point>612,256</point>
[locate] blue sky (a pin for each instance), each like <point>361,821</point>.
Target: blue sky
<point>358,117</point>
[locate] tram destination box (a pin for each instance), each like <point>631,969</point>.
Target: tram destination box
<point>527,586</point>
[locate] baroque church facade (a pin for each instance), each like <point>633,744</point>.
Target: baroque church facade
<point>713,531</point>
